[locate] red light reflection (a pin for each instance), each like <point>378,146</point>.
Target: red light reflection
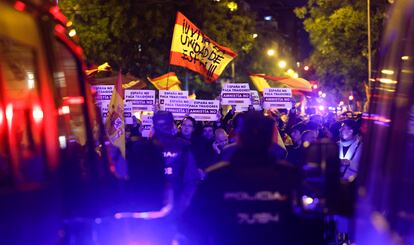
<point>20,6</point>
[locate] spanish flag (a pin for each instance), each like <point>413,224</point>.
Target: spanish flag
<point>290,82</point>
<point>277,138</point>
<point>259,82</point>
<point>104,67</point>
<point>192,49</point>
<point>114,125</point>
<point>167,81</point>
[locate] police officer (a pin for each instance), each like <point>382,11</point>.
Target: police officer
<point>180,167</point>
<point>248,199</point>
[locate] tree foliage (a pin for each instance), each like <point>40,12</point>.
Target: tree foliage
<point>136,35</point>
<point>338,33</point>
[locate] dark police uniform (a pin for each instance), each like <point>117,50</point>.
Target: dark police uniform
<point>248,200</point>
<point>180,169</point>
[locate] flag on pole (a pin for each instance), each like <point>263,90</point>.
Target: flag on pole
<point>130,84</point>
<point>167,81</point>
<point>277,138</point>
<point>104,67</point>
<point>259,82</point>
<point>192,49</point>
<point>293,83</point>
<point>114,125</point>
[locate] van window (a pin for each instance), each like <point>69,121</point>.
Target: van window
<point>71,109</point>
<point>22,136</point>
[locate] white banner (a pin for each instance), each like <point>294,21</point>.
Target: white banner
<point>104,109</point>
<point>171,94</point>
<point>256,102</point>
<point>146,125</point>
<point>128,112</point>
<point>278,98</point>
<point>142,100</point>
<point>178,107</point>
<point>236,94</point>
<point>103,92</point>
<point>204,110</point>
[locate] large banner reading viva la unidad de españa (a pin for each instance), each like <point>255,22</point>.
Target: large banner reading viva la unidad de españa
<point>192,49</point>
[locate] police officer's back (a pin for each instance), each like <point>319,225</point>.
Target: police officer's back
<point>180,167</point>
<point>246,200</point>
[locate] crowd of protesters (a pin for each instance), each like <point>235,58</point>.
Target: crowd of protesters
<point>217,172</point>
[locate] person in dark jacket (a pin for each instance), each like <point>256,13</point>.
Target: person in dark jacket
<point>248,199</point>
<point>180,167</point>
<point>294,150</point>
<point>203,147</point>
<point>276,150</point>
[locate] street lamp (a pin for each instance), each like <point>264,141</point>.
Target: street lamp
<point>271,52</point>
<point>232,6</point>
<point>282,64</point>
<point>72,33</point>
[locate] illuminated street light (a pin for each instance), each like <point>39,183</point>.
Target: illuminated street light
<point>290,71</point>
<point>306,68</point>
<point>72,33</point>
<point>386,71</point>
<point>268,17</point>
<point>315,86</point>
<point>282,64</point>
<point>255,35</point>
<point>341,103</point>
<point>271,52</point>
<point>30,80</point>
<point>320,93</point>
<point>351,97</point>
<point>323,95</point>
<point>232,6</point>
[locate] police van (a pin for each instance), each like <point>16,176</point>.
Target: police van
<point>52,163</point>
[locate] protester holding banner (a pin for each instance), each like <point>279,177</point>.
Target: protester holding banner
<point>229,207</point>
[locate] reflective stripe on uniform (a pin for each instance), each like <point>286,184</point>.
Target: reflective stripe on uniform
<point>216,166</point>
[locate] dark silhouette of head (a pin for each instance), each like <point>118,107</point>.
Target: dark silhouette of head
<point>163,123</point>
<point>256,132</point>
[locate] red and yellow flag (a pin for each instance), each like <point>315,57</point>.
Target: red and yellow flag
<point>192,49</point>
<point>114,125</point>
<point>104,67</point>
<point>290,82</point>
<point>259,82</point>
<point>167,81</point>
<point>277,138</point>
